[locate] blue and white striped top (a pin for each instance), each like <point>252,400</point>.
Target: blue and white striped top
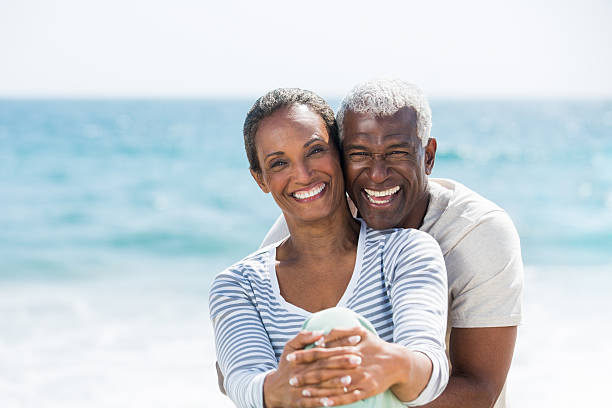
<point>398,284</point>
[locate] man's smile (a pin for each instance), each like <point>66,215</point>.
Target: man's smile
<point>381,197</point>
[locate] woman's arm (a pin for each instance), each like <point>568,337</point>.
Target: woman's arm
<point>414,367</point>
<point>417,286</point>
<point>244,352</point>
<point>246,358</point>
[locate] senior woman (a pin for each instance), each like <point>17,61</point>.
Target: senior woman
<point>394,278</point>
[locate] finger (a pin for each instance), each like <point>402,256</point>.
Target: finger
<point>301,340</point>
<point>349,341</point>
<point>315,354</point>
<point>314,392</point>
<point>337,334</point>
<point>319,378</point>
<point>324,370</point>
<point>342,399</point>
<point>343,382</point>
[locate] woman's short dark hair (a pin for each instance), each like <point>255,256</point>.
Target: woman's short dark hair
<point>280,98</point>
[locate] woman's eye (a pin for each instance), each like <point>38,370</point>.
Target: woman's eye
<point>316,150</point>
<point>277,163</point>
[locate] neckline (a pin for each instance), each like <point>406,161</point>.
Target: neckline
<point>348,292</point>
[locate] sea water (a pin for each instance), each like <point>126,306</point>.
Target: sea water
<point>116,215</point>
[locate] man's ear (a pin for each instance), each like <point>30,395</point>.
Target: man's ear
<point>260,181</point>
<point>430,155</point>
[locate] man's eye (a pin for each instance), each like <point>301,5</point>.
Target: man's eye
<point>359,156</point>
<point>397,155</point>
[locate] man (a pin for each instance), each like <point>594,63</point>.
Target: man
<point>388,155</point>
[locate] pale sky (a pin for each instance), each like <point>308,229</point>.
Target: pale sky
<point>233,48</point>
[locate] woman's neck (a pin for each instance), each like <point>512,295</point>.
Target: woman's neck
<point>325,238</point>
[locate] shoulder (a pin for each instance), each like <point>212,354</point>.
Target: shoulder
<point>251,269</point>
<point>403,238</point>
<point>407,248</point>
<point>457,212</point>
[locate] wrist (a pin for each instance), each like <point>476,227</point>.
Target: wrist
<point>402,361</point>
<point>268,386</point>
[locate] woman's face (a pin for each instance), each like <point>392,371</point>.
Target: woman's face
<point>299,163</point>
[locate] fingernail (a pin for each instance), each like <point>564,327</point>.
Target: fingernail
<point>354,339</point>
<point>355,360</point>
<point>293,381</point>
<point>291,357</point>
<point>306,393</point>
<point>317,333</point>
<point>346,380</point>
<point>326,402</point>
<point>356,392</point>
<point>320,342</point>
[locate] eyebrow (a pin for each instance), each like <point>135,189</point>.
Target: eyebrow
<point>355,146</point>
<point>393,146</point>
<point>400,145</point>
<point>315,138</point>
<point>272,154</point>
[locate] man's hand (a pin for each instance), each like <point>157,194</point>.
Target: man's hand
<point>480,359</point>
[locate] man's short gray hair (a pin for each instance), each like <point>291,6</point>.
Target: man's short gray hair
<point>384,97</point>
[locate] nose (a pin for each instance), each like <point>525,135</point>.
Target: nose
<point>378,170</point>
<point>302,173</point>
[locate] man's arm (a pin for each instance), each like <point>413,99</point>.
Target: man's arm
<point>480,359</point>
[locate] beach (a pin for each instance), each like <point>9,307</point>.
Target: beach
<point>117,214</point>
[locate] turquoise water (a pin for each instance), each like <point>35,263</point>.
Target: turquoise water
<point>115,216</point>
<point>87,184</point>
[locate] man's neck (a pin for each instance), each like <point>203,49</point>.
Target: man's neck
<point>417,214</point>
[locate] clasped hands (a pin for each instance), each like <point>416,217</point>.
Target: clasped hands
<point>344,366</point>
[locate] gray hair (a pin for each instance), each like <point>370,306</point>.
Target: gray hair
<point>384,97</point>
<point>280,98</point>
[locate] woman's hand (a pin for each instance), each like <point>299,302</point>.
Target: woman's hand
<point>282,387</point>
<point>383,366</point>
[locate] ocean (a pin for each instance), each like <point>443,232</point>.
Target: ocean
<point>115,215</point>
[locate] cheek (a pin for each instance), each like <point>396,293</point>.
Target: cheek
<point>350,176</point>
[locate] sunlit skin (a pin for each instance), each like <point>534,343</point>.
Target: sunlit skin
<point>367,133</point>
<point>296,155</point>
<point>300,167</point>
<point>480,357</point>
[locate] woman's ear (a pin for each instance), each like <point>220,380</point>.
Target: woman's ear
<point>260,181</point>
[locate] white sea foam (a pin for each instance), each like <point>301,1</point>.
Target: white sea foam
<point>562,354</point>
<point>107,344</point>
<point>146,341</point>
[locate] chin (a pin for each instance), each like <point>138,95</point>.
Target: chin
<point>378,221</point>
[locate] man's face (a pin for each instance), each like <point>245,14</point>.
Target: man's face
<point>386,168</point>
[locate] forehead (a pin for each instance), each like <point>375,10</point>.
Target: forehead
<point>369,128</point>
<point>289,123</point>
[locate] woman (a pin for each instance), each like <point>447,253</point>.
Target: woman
<point>395,278</point>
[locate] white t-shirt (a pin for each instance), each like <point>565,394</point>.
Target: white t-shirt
<point>398,284</point>
<point>482,253</point>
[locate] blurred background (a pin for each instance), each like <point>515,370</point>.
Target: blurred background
<point>124,187</point>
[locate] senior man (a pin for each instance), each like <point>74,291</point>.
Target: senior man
<point>388,154</point>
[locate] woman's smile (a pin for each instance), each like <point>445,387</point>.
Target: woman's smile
<point>310,193</point>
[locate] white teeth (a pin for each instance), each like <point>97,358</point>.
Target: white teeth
<point>388,192</point>
<point>300,195</point>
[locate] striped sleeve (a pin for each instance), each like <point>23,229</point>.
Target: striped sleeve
<point>244,352</point>
<point>417,284</point>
